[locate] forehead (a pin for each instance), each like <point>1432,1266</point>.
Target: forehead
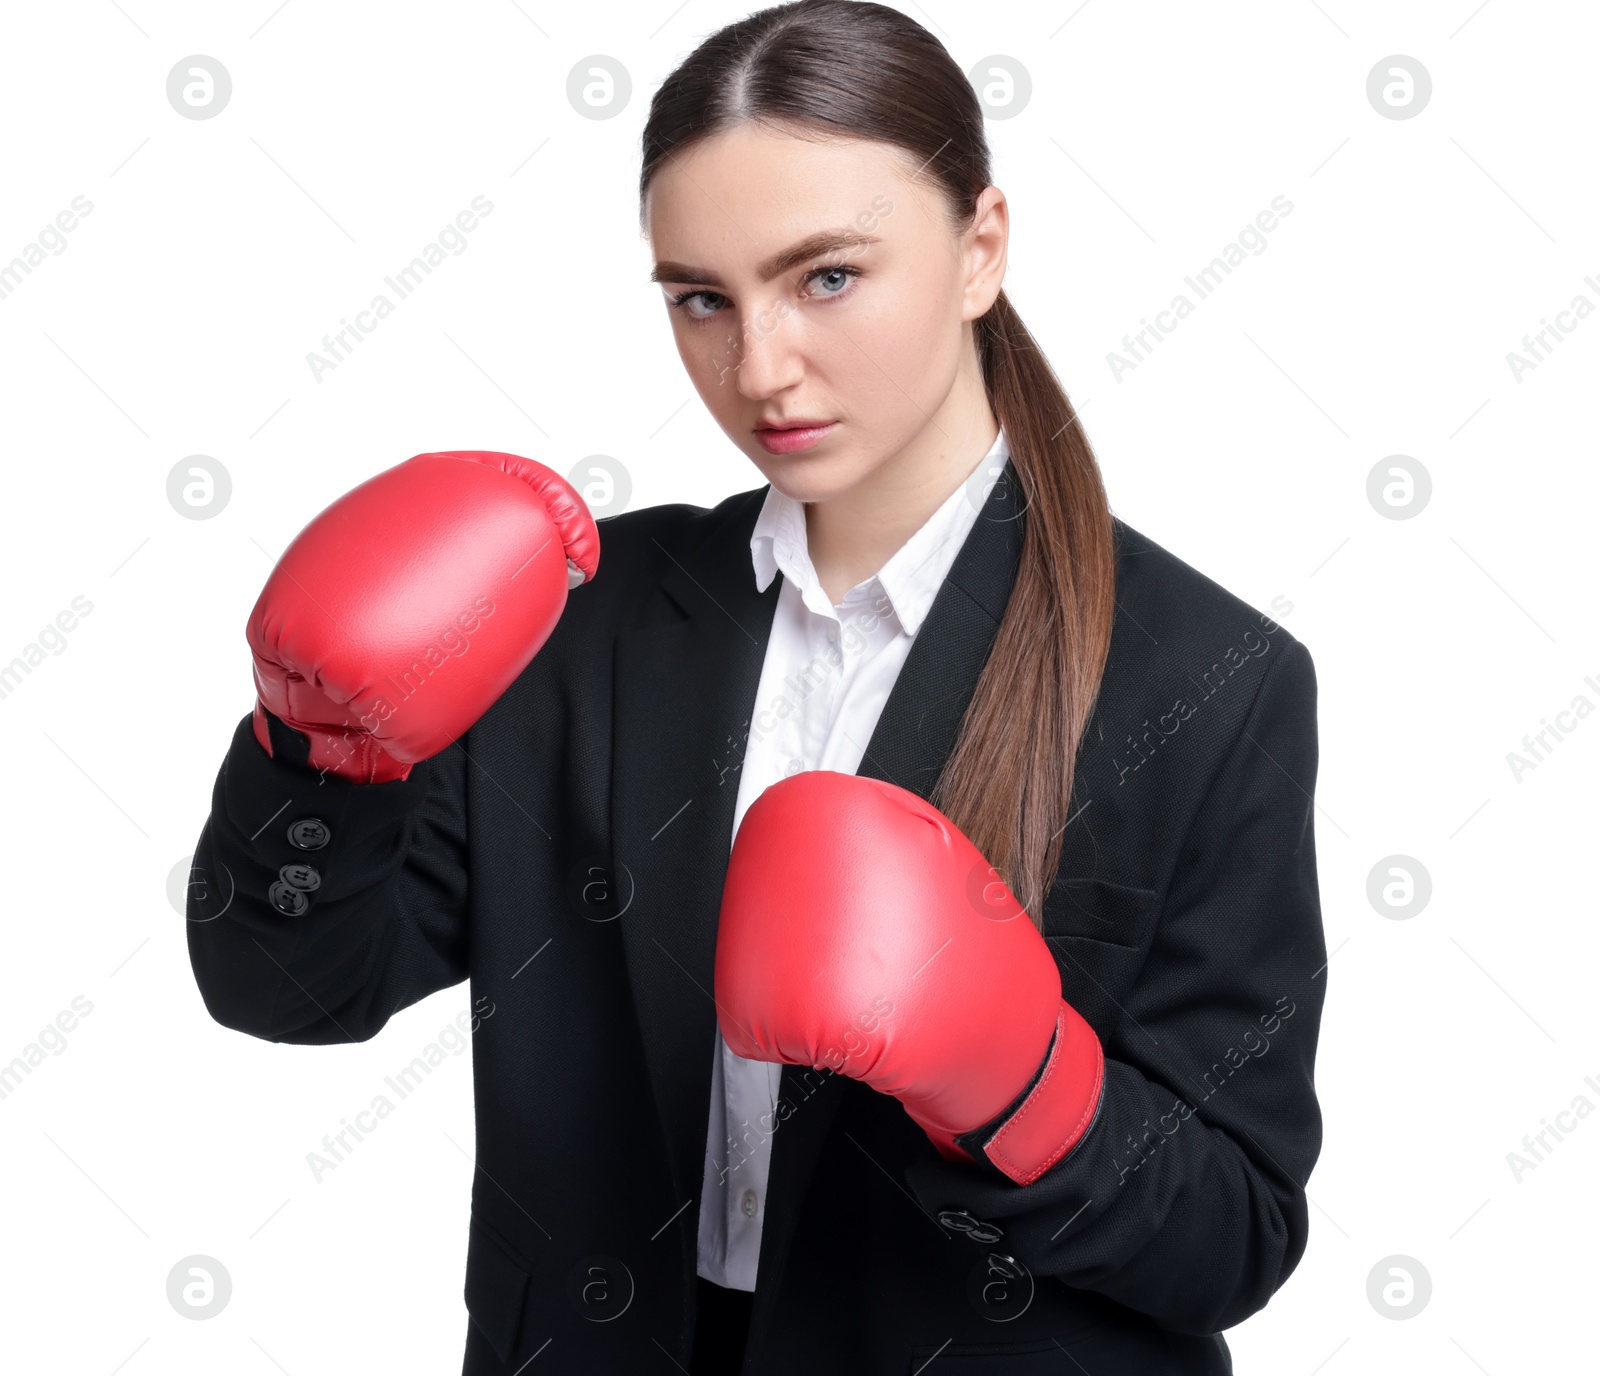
<point>751,188</point>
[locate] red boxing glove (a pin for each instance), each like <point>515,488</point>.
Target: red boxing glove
<point>398,616</point>
<point>860,930</point>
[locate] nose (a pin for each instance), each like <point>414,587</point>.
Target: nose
<point>768,358</point>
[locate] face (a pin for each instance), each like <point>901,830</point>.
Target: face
<point>818,282</point>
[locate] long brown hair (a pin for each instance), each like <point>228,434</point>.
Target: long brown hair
<point>867,71</point>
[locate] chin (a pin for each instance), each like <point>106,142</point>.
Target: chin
<point>810,477</point>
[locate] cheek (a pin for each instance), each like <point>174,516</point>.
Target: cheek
<point>913,343</point>
<point>708,358</point>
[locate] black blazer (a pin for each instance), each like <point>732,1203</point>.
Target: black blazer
<point>567,856</point>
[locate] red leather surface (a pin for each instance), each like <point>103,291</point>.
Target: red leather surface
<point>860,929</point>
<point>402,611</point>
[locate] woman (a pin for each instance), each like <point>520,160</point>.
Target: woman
<point>1029,1125</point>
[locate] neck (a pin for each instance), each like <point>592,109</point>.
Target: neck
<point>853,535</point>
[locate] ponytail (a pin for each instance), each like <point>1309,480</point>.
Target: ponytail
<point>1008,781</point>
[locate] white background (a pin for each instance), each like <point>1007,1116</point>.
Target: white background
<point>1377,322</point>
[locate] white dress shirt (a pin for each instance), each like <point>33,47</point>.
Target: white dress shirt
<point>827,673</point>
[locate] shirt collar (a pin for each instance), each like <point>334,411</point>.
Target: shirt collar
<point>913,574</point>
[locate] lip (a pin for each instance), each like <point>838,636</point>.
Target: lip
<point>794,436</point>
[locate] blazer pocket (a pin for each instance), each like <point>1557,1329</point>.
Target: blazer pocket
<point>496,1288</point>
<point>1098,910</point>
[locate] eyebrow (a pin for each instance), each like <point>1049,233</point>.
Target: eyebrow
<point>814,245</point>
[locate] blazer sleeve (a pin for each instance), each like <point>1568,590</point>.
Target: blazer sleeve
<point>386,924</point>
<point>1185,1200</point>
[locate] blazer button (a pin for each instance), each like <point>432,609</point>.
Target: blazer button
<point>748,1203</point>
<point>302,876</point>
<point>289,901</point>
<point>1005,1266</point>
<point>960,1221</point>
<point>309,833</point>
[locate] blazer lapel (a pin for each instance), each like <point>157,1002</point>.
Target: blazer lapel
<point>685,680</point>
<point>910,744</point>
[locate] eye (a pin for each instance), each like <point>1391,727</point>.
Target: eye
<point>837,276</point>
<point>681,300</point>
<point>834,270</point>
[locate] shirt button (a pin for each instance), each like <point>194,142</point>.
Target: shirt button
<point>748,1203</point>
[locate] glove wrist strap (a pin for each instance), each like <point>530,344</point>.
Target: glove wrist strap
<point>1054,1113</point>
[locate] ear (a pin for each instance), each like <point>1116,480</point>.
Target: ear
<point>985,244</point>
